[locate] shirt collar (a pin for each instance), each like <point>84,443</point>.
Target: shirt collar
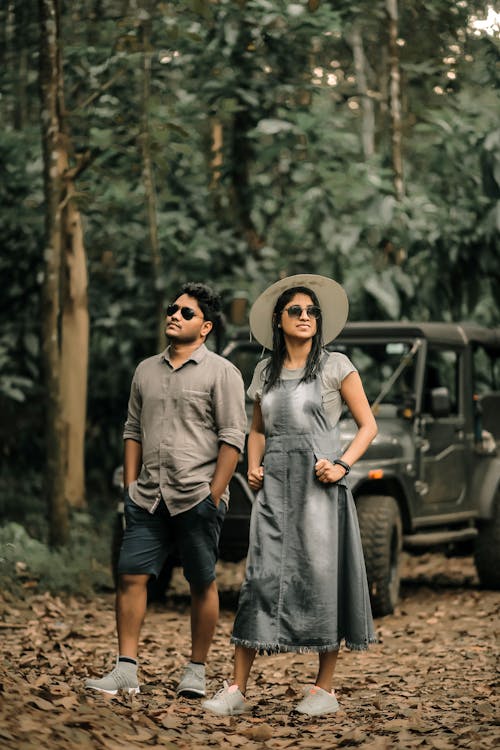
<point>196,356</point>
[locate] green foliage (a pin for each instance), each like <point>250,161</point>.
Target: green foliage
<point>292,190</point>
<point>26,559</point>
<point>21,226</point>
<point>450,219</point>
<point>79,568</point>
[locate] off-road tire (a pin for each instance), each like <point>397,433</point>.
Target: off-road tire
<point>487,550</point>
<point>382,538</point>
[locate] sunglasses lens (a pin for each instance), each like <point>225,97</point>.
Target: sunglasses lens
<point>313,311</point>
<point>295,311</point>
<point>187,312</point>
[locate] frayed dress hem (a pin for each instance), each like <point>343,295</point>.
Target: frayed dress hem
<point>282,648</point>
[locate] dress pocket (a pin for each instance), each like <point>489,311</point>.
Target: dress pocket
<point>326,447</point>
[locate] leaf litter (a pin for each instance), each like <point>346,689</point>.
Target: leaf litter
<point>429,683</point>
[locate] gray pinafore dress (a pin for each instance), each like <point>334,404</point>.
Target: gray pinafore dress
<point>305,587</point>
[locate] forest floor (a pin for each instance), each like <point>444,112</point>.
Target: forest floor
<point>431,681</point>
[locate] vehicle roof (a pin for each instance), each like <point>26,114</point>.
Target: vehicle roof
<point>453,334</point>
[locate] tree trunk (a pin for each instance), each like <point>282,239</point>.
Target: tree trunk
<point>395,100</point>
<point>74,352</point>
<point>53,180</point>
<point>149,180</point>
<point>367,110</point>
<point>65,321</point>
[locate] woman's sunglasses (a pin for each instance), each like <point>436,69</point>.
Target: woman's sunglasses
<point>187,312</point>
<point>312,311</point>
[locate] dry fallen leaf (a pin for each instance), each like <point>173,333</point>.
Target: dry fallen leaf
<point>427,685</point>
<point>69,701</point>
<point>41,703</point>
<point>260,732</point>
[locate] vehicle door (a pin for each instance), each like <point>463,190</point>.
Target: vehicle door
<point>442,465</point>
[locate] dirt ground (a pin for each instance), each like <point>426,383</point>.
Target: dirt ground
<point>430,682</point>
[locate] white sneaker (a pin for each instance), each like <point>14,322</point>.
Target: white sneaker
<point>228,701</point>
<point>317,702</point>
<point>122,677</point>
<point>192,684</point>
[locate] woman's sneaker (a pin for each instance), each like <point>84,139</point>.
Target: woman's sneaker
<point>122,677</point>
<point>229,701</point>
<point>317,702</point>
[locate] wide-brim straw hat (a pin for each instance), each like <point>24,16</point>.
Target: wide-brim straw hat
<point>332,300</point>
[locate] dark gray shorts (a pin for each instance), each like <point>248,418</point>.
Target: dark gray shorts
<point>149,538</point>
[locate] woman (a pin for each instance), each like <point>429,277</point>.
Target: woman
<point>305,587</point>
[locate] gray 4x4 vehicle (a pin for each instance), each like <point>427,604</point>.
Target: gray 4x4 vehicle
<point>431,477</point>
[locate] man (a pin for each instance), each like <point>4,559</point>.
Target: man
<point>184,431</point>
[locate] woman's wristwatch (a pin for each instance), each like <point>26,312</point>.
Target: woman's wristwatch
<point>344,465</point>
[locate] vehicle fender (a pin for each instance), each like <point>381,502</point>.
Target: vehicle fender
<point>484,486</point>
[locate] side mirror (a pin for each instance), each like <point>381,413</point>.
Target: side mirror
<point>440,402</point>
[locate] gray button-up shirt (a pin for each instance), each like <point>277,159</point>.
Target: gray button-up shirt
<point>180,416</point>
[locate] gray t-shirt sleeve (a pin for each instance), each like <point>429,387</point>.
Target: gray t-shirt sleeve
<point>254,390</point>
<point>336,368</point>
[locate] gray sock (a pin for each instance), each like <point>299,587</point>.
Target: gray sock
<point>127,660</point>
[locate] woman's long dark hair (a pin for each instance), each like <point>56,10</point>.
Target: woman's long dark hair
<point>272,372</point>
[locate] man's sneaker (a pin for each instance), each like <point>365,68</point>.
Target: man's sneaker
<point>229,701</point>
<point>317,702</point>
<point>192,684</point>
<point>122,677</point>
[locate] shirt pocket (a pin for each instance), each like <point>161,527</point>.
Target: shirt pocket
<point>196,407</point>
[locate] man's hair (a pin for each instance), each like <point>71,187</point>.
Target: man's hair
<point>209,302</point>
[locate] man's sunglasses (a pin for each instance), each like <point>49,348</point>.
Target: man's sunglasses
<point>187,312</point>
<point>312,311</point>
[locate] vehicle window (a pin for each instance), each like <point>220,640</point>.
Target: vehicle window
<point>486,371</point>
<point>376,363</point>
<point>441,371</point>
